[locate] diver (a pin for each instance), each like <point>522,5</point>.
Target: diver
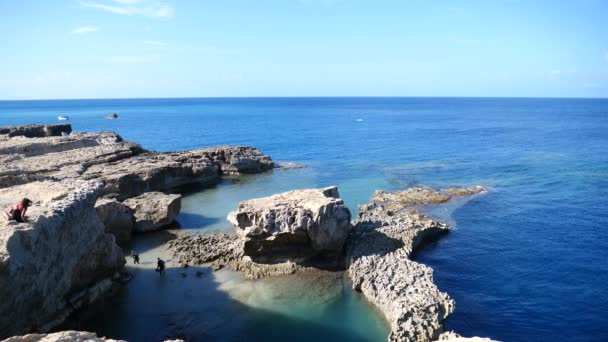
<point>160,266</point>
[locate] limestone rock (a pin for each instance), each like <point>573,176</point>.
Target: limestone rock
<point>116,217</point>
<point>201,248</point>
<point>454,337</point>
<point>378,253</point>
<point>125,167</point>
<point>154,210</point>
<point>237,160</point>
<point>62,336</point>
<point>420,196</point>
<point>294,224</point>
<point>25,160</point>
<point>58,261</point>
<point>36,131</point>
<point>67,336</point>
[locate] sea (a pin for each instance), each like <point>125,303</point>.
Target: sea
<point>527,261</point>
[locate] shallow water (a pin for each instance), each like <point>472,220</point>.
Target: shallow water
<point>525,262</point>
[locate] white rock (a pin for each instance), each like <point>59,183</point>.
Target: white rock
<point>117,218</point>
<point>299,223</point>
<point>154,210</point>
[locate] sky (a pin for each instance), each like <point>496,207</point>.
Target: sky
<point>70,49</point>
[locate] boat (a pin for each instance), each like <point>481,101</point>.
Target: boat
<point>63,118</point>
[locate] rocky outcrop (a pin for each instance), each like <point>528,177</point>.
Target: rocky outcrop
<point>62,336</point>
<point>454,337</point>
<point>153,210</point>
<point>202,248</point>
<point>419,196</point>
<point>36,131</point>
<point>25,160</point>
<point>126,169</point>
<point>116,217</point>
<point>66,336</point>
<point>378,253</point>
<point>294,224</point>
<point>66,257</point>
<point>58,261</point>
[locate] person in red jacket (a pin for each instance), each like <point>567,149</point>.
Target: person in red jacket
<point>18,212</point>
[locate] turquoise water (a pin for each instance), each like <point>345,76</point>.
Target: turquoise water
<point>525,262</point>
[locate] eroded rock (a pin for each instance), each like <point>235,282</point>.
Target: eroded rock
<point>294,224</point>
<point>58,261</point>
<point>378,254</point>
<point>154,210</point>
<point>126,169</point>
<point>35,131</point>
<point>116,217</point>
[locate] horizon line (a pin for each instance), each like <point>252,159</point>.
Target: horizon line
<point>304,97</point>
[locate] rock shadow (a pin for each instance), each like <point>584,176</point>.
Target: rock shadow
<point>187,304</point>
<point>143,242</point>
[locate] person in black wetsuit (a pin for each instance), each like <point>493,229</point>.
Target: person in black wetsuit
<point>135,257</point>
<point>18,212</point>
<point>160,266</point>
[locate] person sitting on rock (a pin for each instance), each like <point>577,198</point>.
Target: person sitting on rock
<point>18,212</point>
<point>135,257</point>
<point>160,266</point>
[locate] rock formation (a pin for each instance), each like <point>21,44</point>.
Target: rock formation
<point>153,210</point>
<point>378,253</point>
<point>294,224</point>
<point>116,217</point>
<point>66,255</point>
<point>112,116</point>
<point>58,261</point>
<point>36,131</point>
<point>454,337</point>
<point>126,169</point>
<point>62,336</point>
<point>66,336</point>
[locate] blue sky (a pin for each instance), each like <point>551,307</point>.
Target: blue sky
<point>204,48</point>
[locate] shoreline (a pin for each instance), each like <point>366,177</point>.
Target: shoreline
<point>126,171</point>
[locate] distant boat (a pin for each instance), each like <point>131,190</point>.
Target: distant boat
<point>63,118</point>
<point>359,120</point>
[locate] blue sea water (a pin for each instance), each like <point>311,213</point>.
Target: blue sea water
<point>527,261</point>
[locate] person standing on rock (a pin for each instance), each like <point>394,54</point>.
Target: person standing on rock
<point>18,212</point>
<point>160,266</point>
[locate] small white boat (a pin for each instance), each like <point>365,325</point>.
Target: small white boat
<point>359,120</point>
<point>63,118</point>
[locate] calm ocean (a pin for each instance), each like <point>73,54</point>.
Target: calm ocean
<point>526,262</point>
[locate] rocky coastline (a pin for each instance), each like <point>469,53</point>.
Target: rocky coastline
<point>89,190</point>
<point>375,251</point>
